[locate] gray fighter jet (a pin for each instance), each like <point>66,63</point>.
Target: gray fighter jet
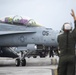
<point>27,36</point>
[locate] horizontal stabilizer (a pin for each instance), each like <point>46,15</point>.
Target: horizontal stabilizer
<point>15,32</point>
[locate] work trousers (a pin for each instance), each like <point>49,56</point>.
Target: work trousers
<point>66,67</point>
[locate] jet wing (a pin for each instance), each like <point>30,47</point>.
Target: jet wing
<point>15,32</point>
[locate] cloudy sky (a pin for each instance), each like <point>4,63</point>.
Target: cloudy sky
<point>49,13</point>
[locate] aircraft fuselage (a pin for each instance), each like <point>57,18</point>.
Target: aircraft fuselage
<point>41,35</point>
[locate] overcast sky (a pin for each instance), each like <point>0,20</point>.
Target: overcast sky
<point>49,13</point>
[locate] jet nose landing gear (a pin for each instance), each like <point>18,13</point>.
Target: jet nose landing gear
<point>21,60</point>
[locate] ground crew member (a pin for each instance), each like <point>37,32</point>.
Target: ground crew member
<point>66,42</point>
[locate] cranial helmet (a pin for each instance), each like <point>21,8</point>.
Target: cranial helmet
<point>67,27</point>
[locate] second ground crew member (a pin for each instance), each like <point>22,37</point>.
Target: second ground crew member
<point>67,47</point>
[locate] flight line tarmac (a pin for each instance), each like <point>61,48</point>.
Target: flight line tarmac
<point>34,66</point>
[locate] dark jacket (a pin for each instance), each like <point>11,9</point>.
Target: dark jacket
<point>67,42</point>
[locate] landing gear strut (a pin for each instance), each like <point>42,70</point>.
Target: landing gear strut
<point>51,52</point>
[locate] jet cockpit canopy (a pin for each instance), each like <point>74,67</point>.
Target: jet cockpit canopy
<point>18,20</point>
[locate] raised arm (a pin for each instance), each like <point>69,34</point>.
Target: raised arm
<point>74,31</point>
<point>73,14</point>
<point>74,17</point>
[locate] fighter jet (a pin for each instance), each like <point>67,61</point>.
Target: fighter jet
<point>17,32</point>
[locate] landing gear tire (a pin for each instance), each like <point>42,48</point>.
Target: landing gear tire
<point>17,61</point>
<point>42,55</point>
<point>23,62</point>
<point>34,56</point>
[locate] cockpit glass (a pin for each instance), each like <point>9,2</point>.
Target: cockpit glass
<point>18,20</point>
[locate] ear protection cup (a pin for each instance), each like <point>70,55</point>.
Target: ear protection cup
<point>63,28</point>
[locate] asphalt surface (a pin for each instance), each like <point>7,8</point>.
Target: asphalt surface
<point>34,66</point>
